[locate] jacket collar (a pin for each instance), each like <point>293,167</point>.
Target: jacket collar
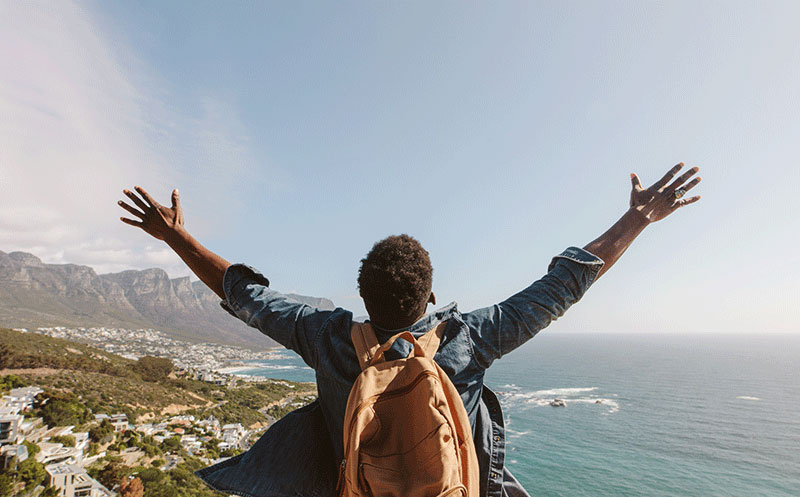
<point>425,323</point>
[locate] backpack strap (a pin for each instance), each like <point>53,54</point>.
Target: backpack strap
<point>366,343</point>
<point>430,341</point>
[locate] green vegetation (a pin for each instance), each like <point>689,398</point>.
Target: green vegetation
<point>86,381</point>
<point>177,482</point>
<point>33,449</point>
<point>153,368</point>
<point>102,433</point>
<point>29,350</point>
<point>6,484</point>
<point>29,473</point>
<point>111,473</point>
<point>61,409</point>
<point>10,381</point>
<point>65,440</point>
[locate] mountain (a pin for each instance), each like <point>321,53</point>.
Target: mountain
<point>33,294</point>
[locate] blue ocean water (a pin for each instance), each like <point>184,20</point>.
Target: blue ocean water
<point>706,414</point>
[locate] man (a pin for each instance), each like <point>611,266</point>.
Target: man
<point>299,454</point>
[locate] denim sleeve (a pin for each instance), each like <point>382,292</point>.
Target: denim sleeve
<point>292,324</point>
<point>501,328</point>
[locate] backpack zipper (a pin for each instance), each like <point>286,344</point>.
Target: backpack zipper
<point>340,481</point>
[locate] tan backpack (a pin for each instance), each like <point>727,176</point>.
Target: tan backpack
<point>406,432</point>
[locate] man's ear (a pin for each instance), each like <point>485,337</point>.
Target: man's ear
<point>432,299</point>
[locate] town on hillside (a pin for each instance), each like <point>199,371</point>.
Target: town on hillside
<point>60,436</point>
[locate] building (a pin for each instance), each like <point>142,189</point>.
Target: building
<point>21,398</point>
<point>119,420</point>
<point>70,480</point>
<point>9,428</point>
<point>56,453</point>
<point>73,481</point>
<point>9,452</point>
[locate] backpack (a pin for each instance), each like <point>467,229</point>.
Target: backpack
<point>406,431</point>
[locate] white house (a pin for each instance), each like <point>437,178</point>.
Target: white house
<point>73,481</point>
<point>9,428</point>
<point>21,398</point>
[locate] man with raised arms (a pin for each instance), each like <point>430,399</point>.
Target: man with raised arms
<point>299,454</point>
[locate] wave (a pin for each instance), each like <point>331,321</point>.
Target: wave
<point>564,392</point>
<point>747,397</point>
<point>513,397</point>
<point>516,434</point>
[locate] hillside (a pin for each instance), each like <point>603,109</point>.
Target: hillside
<point>107,383</point>
<point>175,425</point>
<point>34,294</point>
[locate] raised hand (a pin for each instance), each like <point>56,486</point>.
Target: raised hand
<point>660,200</point>
<point>157,220</point>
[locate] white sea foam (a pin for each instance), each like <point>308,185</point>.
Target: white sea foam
<point>516,434</point>
<point>513,397</point>
<point>563,392</point>
<point>747,397</point>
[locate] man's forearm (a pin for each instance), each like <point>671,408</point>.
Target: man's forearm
<point>207,265</point>
<point>613,243</point>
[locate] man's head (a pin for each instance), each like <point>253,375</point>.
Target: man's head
<point>395,281</point>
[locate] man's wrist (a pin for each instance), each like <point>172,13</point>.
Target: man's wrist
<point>177,236</point>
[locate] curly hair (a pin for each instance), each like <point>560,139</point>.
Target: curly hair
<point>395,280</point>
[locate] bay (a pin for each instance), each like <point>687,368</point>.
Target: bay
<point>646,414</point>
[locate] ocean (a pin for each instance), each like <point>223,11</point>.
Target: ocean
<point>645,415</point>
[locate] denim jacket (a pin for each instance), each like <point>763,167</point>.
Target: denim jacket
<point>300,453</point>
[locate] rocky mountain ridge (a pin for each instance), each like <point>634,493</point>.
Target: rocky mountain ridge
<point>33,294</point>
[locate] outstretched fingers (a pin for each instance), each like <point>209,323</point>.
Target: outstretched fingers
<point>130,209</point>
<point>136,200</point>
<point>146,196</point>
<point>131,222</point>
<point>688,186</point>
<point>682,179</point>
<point>685,201</point>
<point>667,177</point>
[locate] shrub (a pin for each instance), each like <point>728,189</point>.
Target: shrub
<point>153,368</point>
<point>31,472</point>
<point>61,409</point>
<point>65,440</point>
<point>102,433</point>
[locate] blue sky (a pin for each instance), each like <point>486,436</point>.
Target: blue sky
<point>498,134</point>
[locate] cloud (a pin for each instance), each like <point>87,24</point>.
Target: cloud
<point>76,128</point>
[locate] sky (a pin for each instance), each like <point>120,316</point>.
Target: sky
<point>496,133</point>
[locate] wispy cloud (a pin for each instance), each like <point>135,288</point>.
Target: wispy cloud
<point>76,127</point>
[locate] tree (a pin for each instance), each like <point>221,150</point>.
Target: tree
<point>6,485</point>
<point>148,475</point>
<point>171,444</point>
<point>61,409</point>
<point>31,472</point>
<point>131,488</point>
<point>33,449</point>
<point>112,474</point>
<point>102,433</point>
<point>49,492</point>
<point>153,368</point>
